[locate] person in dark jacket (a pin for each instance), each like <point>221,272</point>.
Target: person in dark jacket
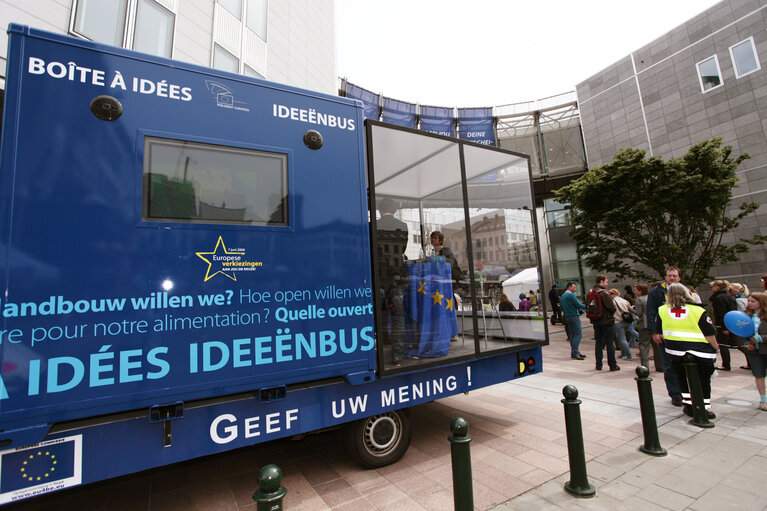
<point>505,304</point>
<point>603,327</point>
<point>556,314</point>
<point>722,302</point>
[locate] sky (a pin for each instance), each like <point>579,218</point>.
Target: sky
<point>492,52</point>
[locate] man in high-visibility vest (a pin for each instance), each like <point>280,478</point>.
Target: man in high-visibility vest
<point>686,328</point>
<point>655,299</point>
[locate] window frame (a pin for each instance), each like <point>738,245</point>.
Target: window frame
<point>139,161</point>
<point>243,30</point>
<point>719,73</point>
<point>129,29</point>
<point>753,52</point>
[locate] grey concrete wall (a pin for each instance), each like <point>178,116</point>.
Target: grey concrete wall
<point>652,100</point>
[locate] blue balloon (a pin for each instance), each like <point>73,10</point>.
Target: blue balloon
<point>739,323</point>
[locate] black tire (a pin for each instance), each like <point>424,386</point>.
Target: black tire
<point>378,440</point>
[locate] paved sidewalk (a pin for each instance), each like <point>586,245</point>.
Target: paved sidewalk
<point>706,469</point>
<point>519,454</point>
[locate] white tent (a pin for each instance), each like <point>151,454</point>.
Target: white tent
<point>522,282</point>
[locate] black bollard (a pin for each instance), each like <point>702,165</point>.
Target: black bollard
<point>269,495</point>
<point>460,455</point>
<point>699,416</point>
<point>578,484</point>
<point>647,407</point>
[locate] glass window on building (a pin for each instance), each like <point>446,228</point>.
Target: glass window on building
<point>154,29</point>
<point>233,6</point>
<point>102,21</point>
<point>248,71</point>
<point>709,74</point>
<point>256,17</point>
<point>142,25</point>
<point>224,60</point>
<point>744,58</point>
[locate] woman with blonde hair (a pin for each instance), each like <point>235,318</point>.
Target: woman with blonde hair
<point>686,328</point>
<point>740,293</point>
<point>756,348</point>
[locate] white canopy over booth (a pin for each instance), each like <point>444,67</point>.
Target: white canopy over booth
<point>522,282</point>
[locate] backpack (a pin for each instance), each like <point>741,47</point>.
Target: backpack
<point>595,309</point>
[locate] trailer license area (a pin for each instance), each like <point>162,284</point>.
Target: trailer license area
<point>227,427</point>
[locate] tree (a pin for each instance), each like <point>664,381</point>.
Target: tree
<point>659,213</point>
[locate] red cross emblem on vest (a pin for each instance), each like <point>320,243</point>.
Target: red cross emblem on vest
<point>679,313</point>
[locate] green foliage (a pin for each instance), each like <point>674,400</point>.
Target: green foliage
<point>659,213</point>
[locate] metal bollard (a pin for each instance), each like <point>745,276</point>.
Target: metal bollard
<point>647,407</point>
<point>699,416</point>
<point>269,495</point>
<point>460,455</point>
<point>578,484</point>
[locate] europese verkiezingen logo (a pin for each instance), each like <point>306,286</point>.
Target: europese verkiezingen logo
<point>37,465</point>
<point>226,261</point>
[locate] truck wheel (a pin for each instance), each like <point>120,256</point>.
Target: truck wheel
<point>379,440</point>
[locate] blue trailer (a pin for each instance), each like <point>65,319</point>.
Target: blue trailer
<point>195,261</point>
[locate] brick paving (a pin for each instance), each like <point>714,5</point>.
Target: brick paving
<point>519,454</point>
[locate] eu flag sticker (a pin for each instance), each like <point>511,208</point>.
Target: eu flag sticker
<point>40,468</point>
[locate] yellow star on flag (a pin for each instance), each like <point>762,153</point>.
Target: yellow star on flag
<point>437,298</point>
<point>449,304</point>
<point>421,287</point>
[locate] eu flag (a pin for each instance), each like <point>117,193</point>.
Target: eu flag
<point>430,304</point>
<point>35,465</point>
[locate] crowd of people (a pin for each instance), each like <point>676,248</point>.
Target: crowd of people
<point>667,320</point>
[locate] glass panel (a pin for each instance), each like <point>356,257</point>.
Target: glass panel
<point>552,205</point>
<point>525,145</point>
<point>558,218</point>
<point>224,60</point>
<point>233,6</point>
<point>256,18</point>
<point>154,29</point>
<point>207,184</point>
<point>498,186</point>
<point>564,150</point>
<point>248,71</point>
<point>744,58</point>
<point>418,191</point>
<point>566,270</point>
<point>708,70</point>
<point>101,20</point>
<point>565,252</point>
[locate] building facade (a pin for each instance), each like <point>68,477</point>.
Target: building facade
<point>285,41</point>
<point>703,79</point>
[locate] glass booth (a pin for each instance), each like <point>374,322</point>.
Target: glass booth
<point>455,245</point>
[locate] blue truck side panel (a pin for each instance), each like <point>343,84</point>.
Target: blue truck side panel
<point>88,327</point>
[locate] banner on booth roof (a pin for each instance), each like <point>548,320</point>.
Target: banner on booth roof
<point>437,119</point>
<point>369,99</point>
<point>398,112</point>
<point>476,125</point>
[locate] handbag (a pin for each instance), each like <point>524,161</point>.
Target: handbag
<point>627,316</point>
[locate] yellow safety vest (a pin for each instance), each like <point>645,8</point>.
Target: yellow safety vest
<point>681,324</point>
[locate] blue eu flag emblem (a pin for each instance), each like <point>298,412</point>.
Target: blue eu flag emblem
<point>36,465</point>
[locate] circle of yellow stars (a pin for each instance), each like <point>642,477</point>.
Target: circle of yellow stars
<point>26,473</point>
